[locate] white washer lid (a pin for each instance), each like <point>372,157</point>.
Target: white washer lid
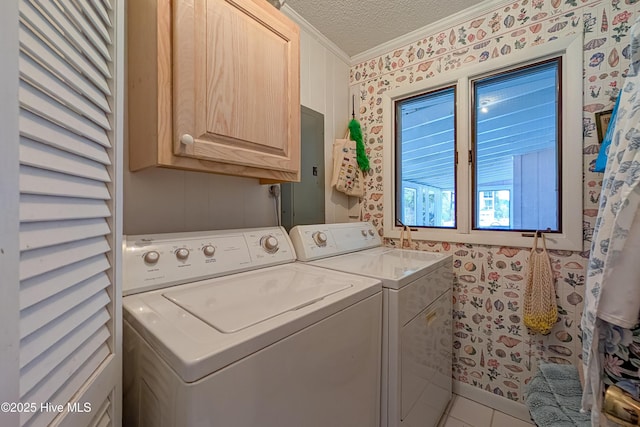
<point>237,303</point>
<point>395,267</point>
<point>195,349</point>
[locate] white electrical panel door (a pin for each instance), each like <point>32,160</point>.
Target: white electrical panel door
<point>70,123</point>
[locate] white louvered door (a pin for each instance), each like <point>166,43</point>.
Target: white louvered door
<point>70,123</point>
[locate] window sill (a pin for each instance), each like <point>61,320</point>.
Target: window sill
<point>557,241</point>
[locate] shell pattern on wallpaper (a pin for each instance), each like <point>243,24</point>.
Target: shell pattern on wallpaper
<point>492,348</point>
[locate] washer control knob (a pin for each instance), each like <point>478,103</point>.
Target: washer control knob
<point>269,244</point>
<point>208,251</point>
<point>320,238</point>
<point>364,233</point>
<point>182,254</point>
<point>151,257</point>
<point>371,233</point>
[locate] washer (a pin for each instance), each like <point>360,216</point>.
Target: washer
<point>224,329</point>
<point>417,320</point>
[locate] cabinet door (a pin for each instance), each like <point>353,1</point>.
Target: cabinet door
<point>236,84</point>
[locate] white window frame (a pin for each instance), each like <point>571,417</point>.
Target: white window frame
<point>571,238</point>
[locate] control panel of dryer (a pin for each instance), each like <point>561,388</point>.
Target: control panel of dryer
<point>317,241</point>
<point>156,261</point>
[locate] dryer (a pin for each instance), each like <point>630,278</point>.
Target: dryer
<point>417,319</point>
<point>224,329</point>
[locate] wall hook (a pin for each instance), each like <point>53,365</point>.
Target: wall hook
<point>353,106</point>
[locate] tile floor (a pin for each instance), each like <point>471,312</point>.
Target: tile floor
<point>463,412</point>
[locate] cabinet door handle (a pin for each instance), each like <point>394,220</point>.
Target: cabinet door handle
<point>186,139</point>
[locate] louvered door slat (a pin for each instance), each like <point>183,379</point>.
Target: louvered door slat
<point>104,421</point>
<point>45,157</point>
<point>71,33</point>
<point>40,341</point>
<point>49,84</point>
<point>68,385</point>
<point>88,30</point>
<point>39,181</point>
<point>65,379</point>
<point>70,147</point>
<point>46,208</point>
<point>40,261</point>
<point>32,46</point>
<point>51,36</point>
<point>39,288</point>
<point>101,418</point>
<point>104,15</point>
<point>95,20</point>
<point>35,235</point>
<point>43,131</point>
<point>40,103</point>
<point>96,393</point>
<point>40,368</point>
<point>39,315</point>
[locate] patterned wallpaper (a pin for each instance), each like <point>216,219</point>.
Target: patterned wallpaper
<point>492,349</point>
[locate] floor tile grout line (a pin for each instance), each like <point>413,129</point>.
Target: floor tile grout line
<point>447,413</point>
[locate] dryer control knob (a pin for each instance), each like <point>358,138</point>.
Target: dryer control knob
<point>371,233</point>
<point>151,257</point>
<point>364,233</point>
<point>208,251</point>
<point>269,244</point>
<point>320,238</point>
<point>182,254</point>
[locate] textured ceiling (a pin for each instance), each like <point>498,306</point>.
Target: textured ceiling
<point>357,26</point>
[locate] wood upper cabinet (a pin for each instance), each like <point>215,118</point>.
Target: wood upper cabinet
<point>214,85</point>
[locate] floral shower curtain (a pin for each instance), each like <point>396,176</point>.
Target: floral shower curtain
<point>612,295</point>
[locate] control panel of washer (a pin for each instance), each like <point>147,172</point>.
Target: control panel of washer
<point>317,241</point>
<point>159,260</point>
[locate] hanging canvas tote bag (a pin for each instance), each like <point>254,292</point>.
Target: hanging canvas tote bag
<point>338,146</point>
<point>540,308</point>
<point>347,176</point>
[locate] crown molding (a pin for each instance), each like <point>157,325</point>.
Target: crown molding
<point>443,24</point>
<point>313,31</point>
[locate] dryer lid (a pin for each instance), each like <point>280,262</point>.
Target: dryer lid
<point>240,302</point>
<point>395,267</point>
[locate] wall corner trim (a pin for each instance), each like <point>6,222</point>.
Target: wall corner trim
<point>313,31</point>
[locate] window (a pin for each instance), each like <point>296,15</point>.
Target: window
<point>515,144</point>
<point>426,152</point>
<point>491,153</point>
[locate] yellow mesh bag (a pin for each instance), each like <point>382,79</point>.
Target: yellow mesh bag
<point>540,309</point>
